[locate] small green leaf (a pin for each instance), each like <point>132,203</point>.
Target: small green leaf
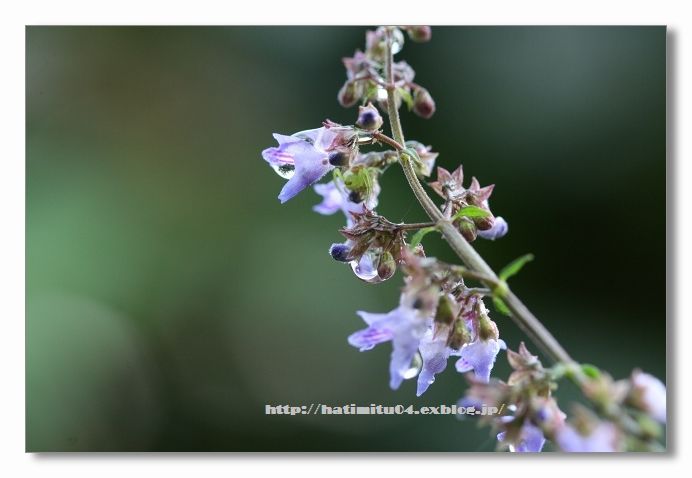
<point>406,96</point>
<point>515,266</point>
<point>590,370</point>
<point>471,211</point>
<point>418,236</point>
<point>500,306</point>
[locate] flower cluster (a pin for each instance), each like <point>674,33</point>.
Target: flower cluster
<point>450,187</point>
<point>439,315</point>
<point>366,78</point>
<point>628,413</point>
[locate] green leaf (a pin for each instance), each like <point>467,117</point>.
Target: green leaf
<point>406,96</point>
<point>418,236</point>
<point>515,266</point>
<point>471,211</point>
<point>590,370</point>
<point>500,306</point>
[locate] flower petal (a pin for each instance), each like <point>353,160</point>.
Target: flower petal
<point>499,229</point>
<point>479,356</point>
<point>435,353</point>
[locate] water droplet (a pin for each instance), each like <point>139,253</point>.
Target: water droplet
<point>415,368</point>
<point>397,41</point>
<point>381,93</point>
<point>285,170</point>
<point>364,268</point>
<point>374,266</point>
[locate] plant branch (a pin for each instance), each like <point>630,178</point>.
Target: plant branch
<point>415,225</point>
<point>521,315</point>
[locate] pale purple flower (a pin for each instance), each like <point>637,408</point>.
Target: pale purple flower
<point>499,229</point>
<point>335,197</point>
<point>404,326</point>
<point>652,394</point>
<point>303,158</point>
<point>479,356</point>
<point>434,352</point>
<point>531,438</point>
<point>603,438</point>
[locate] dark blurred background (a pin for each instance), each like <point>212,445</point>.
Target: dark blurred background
<point>170,295</point>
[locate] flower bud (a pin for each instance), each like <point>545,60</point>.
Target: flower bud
<point>445,313</point>
<point>467,229</point>
<point>487,329</point>
<point>483,223</point>
<point>459,336</point>
<point>648,394</point>
<point>338,158</point>
<point>423,103</point>
<point>386,266</point>
<point>349,94</point>
<point>419,33</point>
<point>340,252</point>
<point>369,118</point>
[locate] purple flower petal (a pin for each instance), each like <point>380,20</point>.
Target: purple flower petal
<point>531,441</point>
<point>435,353</point>
<point>403,326</point>
<point>603,438</point>
<point>499,229</point>
<point>335,196</point>
<point>479,356</point>
<point>653,394</point>
<point>303,157</point>
<point>332,199</point>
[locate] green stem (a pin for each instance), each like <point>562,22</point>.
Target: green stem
<point>521,315</point>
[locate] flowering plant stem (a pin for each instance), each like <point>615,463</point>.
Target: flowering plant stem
<point>520,314</point>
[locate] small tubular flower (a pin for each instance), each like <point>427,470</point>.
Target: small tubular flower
<point>404,327</point>
<point>303,158</point>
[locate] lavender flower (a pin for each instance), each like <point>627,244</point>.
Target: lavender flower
<point>404,327</point>
<point>479,356</point>
<point>434,352</point>
<point>602,438</point>
<point>649,394</point>
<point>336,197</point>
<point>499,229</point>
<point>304,158</point>
<point>531,438</point>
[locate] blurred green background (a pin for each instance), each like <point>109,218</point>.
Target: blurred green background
<point>170,295</point>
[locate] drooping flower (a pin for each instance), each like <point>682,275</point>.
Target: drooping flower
<point>498,230</point>
<point>603,437</point>
<point>539,415</point>
<point>530,440</point>
<point>305,157</point>
<point>450,186</point>
<point>649,394</point>
<point>479,356</point>
<point>434,352</point>
<point>404,327</point>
